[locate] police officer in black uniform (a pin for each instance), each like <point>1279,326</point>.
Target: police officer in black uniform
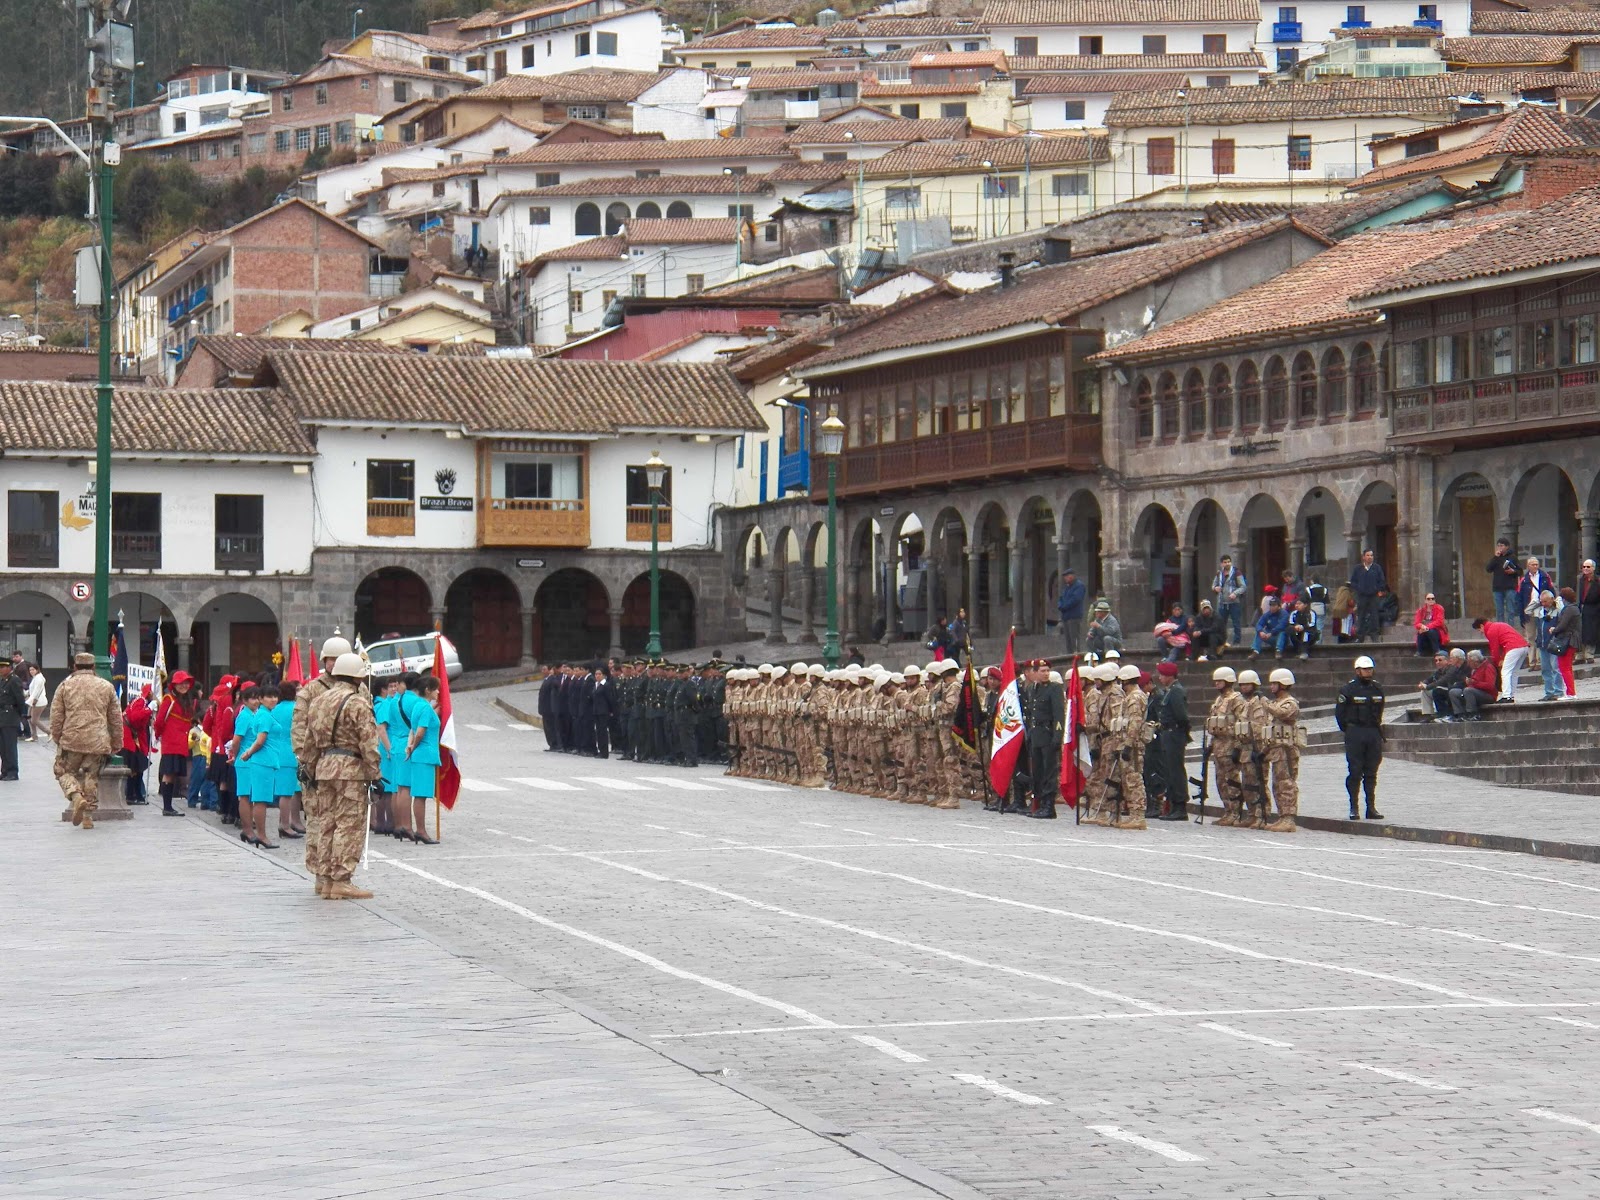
<point>1171,717</point>
<point>1043,717</point>
<point>1359,711</point>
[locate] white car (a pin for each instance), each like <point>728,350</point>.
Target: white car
<point>399,655</point>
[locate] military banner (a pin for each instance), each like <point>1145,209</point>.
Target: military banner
<point>1007,744</point>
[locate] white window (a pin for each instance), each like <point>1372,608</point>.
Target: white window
<point>904,197</point>
<point>1076,184</point>
<point>539,215</point>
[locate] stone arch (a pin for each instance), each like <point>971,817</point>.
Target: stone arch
<point>393,601</point>
<point>43,628</point>
<point>906,600</point>
<point>1305,388</point>
<point>1035,532</point>
<point>1544,512</point>
<point>574,617</point>
<point>1248,394</point>
<point>991,537</point>
<point>1319,537</point>
<point>617,216</point>
<point>483,619</point>
<point>945,546</point>
<point>1365,380</point>
<point>1375,526</point>
<point>1081,535</point>
<point>1221,399</point>
<point>1206,539</point>
<point>861,578</point>
<point>586,220</point>
<point>1144,410</point>
<point>233,632</point>
<point>1264,538</point>
<point>677,613</point>
<point>1335,385</point>
<point>1167,415</point>
<point>648,210</point>
<point>1275,388</point>
<point>1194,404</point>
<point>144,609</point>
<point>1467,523</point>
<point>1157,566</point>
<point>679,209</point>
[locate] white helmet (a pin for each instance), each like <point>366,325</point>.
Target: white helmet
<point>334,647</point>
<point>1113,654</point>
<point>1129,672</point>
<point>1282,676</point>
<point>1224,675</point>
<point>1106,672</point>
<point>1249,677</point>
<point>912,669</point>
<point>1366,662</point>
<point>817,671</point>
<point>1055,676</point>
<point>799,668</point>
<point>352,666</point>
<point>778,673</point>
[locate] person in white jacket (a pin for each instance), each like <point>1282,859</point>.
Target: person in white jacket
<point>38,705</point>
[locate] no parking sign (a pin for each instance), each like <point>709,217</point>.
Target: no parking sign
<point>80,590</point>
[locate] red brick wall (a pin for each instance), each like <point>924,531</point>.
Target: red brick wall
<point>297,259</point>
<point>1550,176</point>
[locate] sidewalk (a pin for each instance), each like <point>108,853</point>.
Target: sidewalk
<point>187,1019</point>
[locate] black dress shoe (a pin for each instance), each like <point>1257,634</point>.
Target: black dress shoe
<point>1177,814</point>
<point>1374,815</point>
<point>1355,815</point>
<point>173,812</point>
<point>1044,814</point>
<point>991,808</point>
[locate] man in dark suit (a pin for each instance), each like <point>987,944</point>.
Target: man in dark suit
<point>1044,713</point>
<point>1366,581</point>
<point>547,706</point>
<point>603,709</point>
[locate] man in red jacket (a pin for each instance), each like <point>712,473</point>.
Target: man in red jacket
<point>1507,650</point>
<point>1481,687</point>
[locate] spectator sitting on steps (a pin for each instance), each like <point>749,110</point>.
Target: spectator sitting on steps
<point>1449,671</point>
<point>1433,633</point>
<point>1209,633</point>
<point>1480,688</point>
<point>1105,631</point>
<point>1272,629</point>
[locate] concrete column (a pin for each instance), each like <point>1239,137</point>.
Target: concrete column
<point>1297,556</point>
<point>437,616</point>
<point>530,624</point>
<point>851,616</point>
<point>185,653</point>
<point>891,594</point>
<point>808,603</point>
<point>1064,560</point>
<point>1186,578</point>
<point>1588,532</point>
<point>775,604</point>
<point>974,560</point>
<point>1019,616</point>
<point>1352,548</point>
<point>1508,530</point>
<point>615,614</point>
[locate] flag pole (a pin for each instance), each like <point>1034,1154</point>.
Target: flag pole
<point>1077,808</point>
<point>436,812</point>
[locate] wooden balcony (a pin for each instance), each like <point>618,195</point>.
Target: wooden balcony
<point>1064,443</point>
<point>1560,401</point>
<point>135,551</point>
<point>555,523</point>
<point>391,518</point>
<point>639,523</point>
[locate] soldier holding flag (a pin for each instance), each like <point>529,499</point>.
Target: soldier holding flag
<point>1008,730</point>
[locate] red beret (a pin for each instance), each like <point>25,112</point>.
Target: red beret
<point>1169,669</point>
<point>1144,678</point>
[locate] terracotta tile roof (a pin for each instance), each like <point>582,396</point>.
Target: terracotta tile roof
<point>1559,232</point>
<point>521,396</point>
<point>957,60</point>
<point>808,172</point>
<point>1052,295</point>
<point>1542,20</point>
<point>655,185</point>
<point>595,249</point>
<point>394,66</point>
<point>1387,31</point>
<point>907,90</point>
<point>831,133</point>
<point>1120,12</point>
<point>226,422</point>
<point>1103,81</point>
<point>1505,51</point>
<point>895,28</point>
<point>1335,216</point>
<point>766,37</point>
<point>1311,296</point>
<point>1045,64</point>
<point>444,45</point>
<point>242,357</point>
<point>969,155</point>
<point>487,19</point>
<point>775,281</point>
<point>393,175</point>
<point>768,79</point>
<point>630,150</point>
<point>1524,130</point>
<point>682,231</point>
<point>588,85</point>
<point>27,348</point>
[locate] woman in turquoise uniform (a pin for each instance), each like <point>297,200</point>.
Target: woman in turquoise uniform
<point>249,740</point>
<point>392,733</point>
<point>422,754</point>
<point>286,775</point>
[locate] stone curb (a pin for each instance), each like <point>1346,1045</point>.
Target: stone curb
<point>525,718</point>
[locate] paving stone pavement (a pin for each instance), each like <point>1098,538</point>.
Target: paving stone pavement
<point>1032,1009</point>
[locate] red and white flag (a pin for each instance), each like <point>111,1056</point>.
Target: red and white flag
<point>449,772</point>
<point>1075,763</point>
<point>1007,742</point>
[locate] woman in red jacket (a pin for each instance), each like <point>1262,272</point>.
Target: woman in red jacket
<point>136,745</point>
<point>1433,632</point>
<point>218,724</point>
<point>174,718</point>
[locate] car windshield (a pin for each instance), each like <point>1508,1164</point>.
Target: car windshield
<point>383,652</point>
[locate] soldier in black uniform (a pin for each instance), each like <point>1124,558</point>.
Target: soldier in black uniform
<point>583,711</point>
<point>715,722</point>
<point>1359,711</point>
<point>603,706</point>
<point>1172,740</point>
<point>685,715</point>
<point>547,706</point>
<point>1043,714</point>
<point>658,698</point>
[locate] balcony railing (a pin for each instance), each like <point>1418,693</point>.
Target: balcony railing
<point>381,287</point>
<point>639,523</point>
<point>1286,31</point>
<point>136,551</point>
<point>1556,399</point>
<point>193,302</point>
<point>1072,442</point>
<point>240,552</point>
<point>391,518</point>
<point>32,548</point>
<point>794,472</point>
<point>1436,26</point>
<point>1355,24</point>
<point>801,110</point>
<point>503,522</point>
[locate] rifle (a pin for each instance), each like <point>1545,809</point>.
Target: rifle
<point>1205,775</point>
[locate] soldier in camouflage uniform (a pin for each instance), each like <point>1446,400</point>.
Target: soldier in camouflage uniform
<point>1097,713</point>
<point>1223,724</point>
<point>1252,746</point>
<point>1285,739</point>
<point>342,740</point>
<point>1135,736</point>
<point>911,744</point>
<point>305,698</point>
<point>953,776</point>
<point>817,718</point>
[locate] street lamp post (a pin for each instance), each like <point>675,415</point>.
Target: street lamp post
<point>830,441</point>
<point>655,474</point>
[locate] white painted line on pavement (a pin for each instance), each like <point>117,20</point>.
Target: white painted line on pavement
<point>1573,1021</point>
<point>1000,1089</point>
<point>682,785</point>
<point>615,784</point>
<point>1132,927</point>
<point>889,1048</point>
<point>1550,1115</point>
<point>638,956</point>
<point>542,785</point>
<point>482,728</point>
<point>481,785</point>
<point>1431,1084</point>
<point>729,781</point>
<point>1165,1149</point>
<point>1523,946</point>
<point>519,725</point>
<point>688,833</point>
<point>989,827</point>
<point>1249,1037</point>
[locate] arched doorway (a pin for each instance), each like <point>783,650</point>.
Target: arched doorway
<point>1083,541</point>
<point>1464,541</point>
<point>393,602</point>
<point>1376,522</point>
<point>677,614</point>
<point>1208,534</point>
<point>1265,536</point>
<point>1544,511</point>
<point>483,619</point>
<point>861,582</point>
<point>616,217</point>
<point>991,607</point>
<point>586,220</point>
<point>1037,526</point>
<point>233,634</point>
<point>907,577</point>
<point>1155,539</point>
<point>574,619</point>
<point>1319,528</point>
<point>946,558</point>
<point>41,628</point>
<point>142,615</point>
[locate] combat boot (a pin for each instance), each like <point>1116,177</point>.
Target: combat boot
<point>1372,813</point>
<point>343,889</point>
<point>77,812</point>
<point>1252,819</point>
<point>322,885</point>
<point>1131,821</point>
<point>1230,815</point>
<point>88,821</point>
<point>1284,824</point>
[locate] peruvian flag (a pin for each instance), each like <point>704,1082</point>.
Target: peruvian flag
<point>315,664</point>
<point>449,772</point>
<point>1007,743</point>
<point>1075,763</point>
